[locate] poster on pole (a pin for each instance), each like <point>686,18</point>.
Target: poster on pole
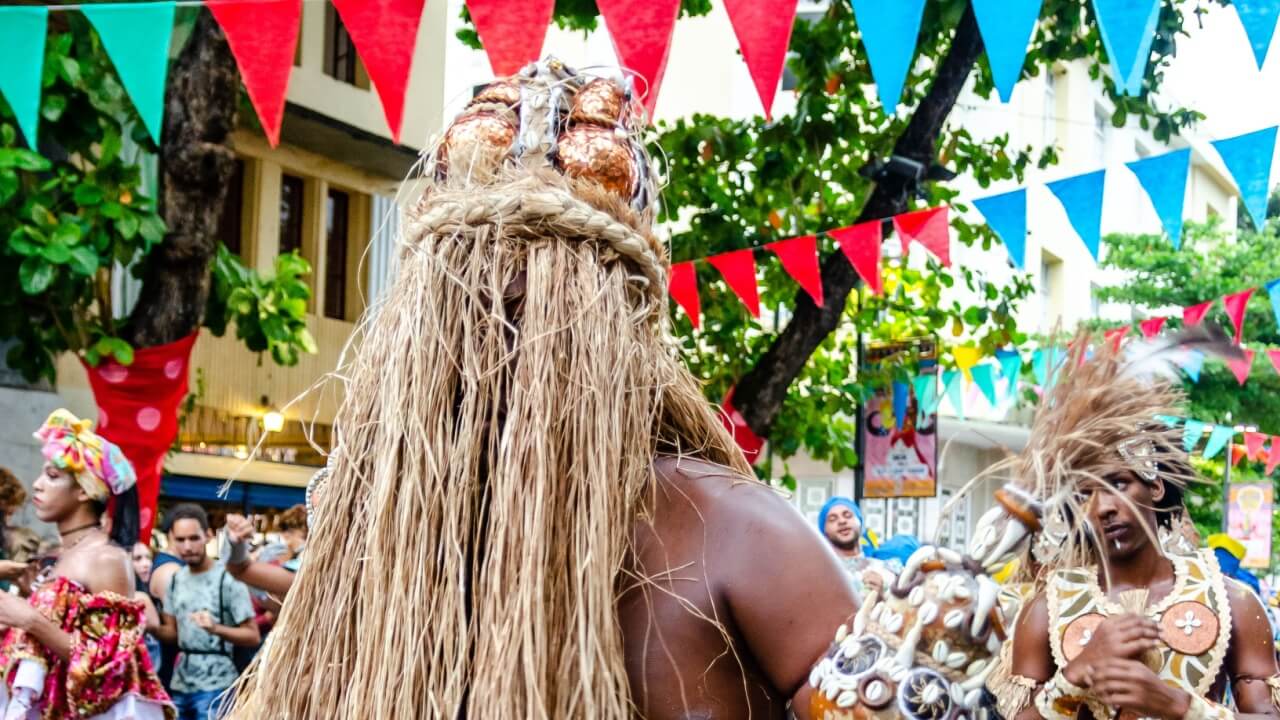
<point>1249,521</point>
<point>900,439</point>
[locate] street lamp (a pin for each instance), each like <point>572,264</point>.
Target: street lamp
<point>273,421</point>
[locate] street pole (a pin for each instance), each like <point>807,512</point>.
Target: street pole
<point>1226,484</point>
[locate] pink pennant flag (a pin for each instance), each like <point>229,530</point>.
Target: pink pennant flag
<point>1237,304</point>
<point>739,271</point>
<point>1274,357</point>
<point>641,33</point>
<point>1273,455</point>
<point>262,36</point>
<point>1116,336</point>
<point>930,228</point>
<point>1241,367</point>
<point>1193,315</point>
<point>1253,441</point>
<point>861,244</point>
<point>763,28</point>
<point>799,257</point>
<point>512,32</point>
<point>384,33</point>
<point>1151,327</point>
<point>684,290</point>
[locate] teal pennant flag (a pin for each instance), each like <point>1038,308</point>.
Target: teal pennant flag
<point>1010,367</point>
<point>1006,27</point>
<point>953,381</point>
<point>22,33</point>
<point>1248,159</point>
<point>136,36</point>
<point>889,31</point>
<point>984,376</point>
<point>1128,28</point>
<point>926,387</point>
<point>1218,438</point>
<point>1191,434</point>
<point>1164,177</point>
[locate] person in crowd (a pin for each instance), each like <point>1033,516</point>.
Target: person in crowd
<point>1229,553</point>
<point>12,496</point>
<point>75,649</point>
<point>164,566</point>
<point>141,556</point>
<point>206,613</point>
<point>272,578</point>
<point>840,521</point>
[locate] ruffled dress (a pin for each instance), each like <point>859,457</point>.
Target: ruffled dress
<point>109,675</point>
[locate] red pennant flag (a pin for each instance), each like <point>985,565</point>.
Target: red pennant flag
<point>684,289</point>
<point>1236,305</point>
<point>1151,327</point>
<point>1274,357</point>
<point>739,270</point>
<point>1191,316</point>
<point>861,244</point>
<point>1241,367</point>
<point>1237,453</point>
<point>1273,455</point>
<point>384,33</point>
<point>1253,442</point>
<point>750,443</point>
<point>641,32</point>
<point>1116,336</point>
<point>263,36</point>
<point>511,32</point>
<point>799,257</point>
<point>928,227</point>
<point>763,28</point>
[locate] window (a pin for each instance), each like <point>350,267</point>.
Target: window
<point>340,58</point>
<point>336,224</point>
<point>291,212</point>
<point>1050,127</point>
<point>230,223</point>
<point>1051,289</point>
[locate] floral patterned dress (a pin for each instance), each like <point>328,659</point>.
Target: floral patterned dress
<point>109,675</point>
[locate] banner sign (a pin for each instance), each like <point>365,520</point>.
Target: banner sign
<point>1249,521</point>
<point>901,456</point>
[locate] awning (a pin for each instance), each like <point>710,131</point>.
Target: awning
<point>247,495</point>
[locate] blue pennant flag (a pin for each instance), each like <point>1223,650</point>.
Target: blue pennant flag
<point>1164,177</point>
<point>1273,291</point>
<point>926,387</point>
<point>1191,434</point>
<point>954,386</point>
<point>1007,216</point>
<point>1259,20</point>
<point>1040,367</point>
<point>136,36</point>
<point>1192,364</point>
<point>984,377</point>
<point>1217,440</point>
<point>1010,367</point>
<point>1248,159</point>
<point>1128,27</point>
<point>22,30</point>
<point>889,32</point>
<point>1081,197</point>
<point>901,395</point>
<point>1006,27</point>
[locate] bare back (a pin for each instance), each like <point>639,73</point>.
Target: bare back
<point>729,601</point>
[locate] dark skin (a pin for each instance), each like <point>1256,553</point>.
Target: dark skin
<point>722,547</point>
<point>1109,664</point>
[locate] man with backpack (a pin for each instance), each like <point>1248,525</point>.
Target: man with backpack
<point>207,613</point>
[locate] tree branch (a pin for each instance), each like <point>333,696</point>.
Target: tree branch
<point>760,393</point>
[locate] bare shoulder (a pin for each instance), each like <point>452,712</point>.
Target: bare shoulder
<point>107,568</point>
<point>1247,612</point>
<point>723,495</point>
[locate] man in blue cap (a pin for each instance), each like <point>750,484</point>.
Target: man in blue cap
<point>840,521</point>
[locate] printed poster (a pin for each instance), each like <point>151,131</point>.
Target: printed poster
<point>901,461</point>
<point>1249,521</point>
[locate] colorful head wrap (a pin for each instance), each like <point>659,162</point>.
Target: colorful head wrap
<point>96,463</point>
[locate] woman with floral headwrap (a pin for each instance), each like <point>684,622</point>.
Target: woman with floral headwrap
<point>75,650</point>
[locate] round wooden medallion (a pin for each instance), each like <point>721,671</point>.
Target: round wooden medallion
<point>1189,628</point>
<point>1079,633</point>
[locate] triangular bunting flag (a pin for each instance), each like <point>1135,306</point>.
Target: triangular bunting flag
<point>1040,367</point>
<point>954,388</point>
<point>889,32</point>
<point>384,33</point>
<point>1006,27</point>
<point>901,398</point>
<point>1273,454</point>
<point>1237,454</point>
<point>763,28</point>
<point>926,387</point>
<point>966,357</point>
<point>1164,177</point>
<point>1115,336</point>
<point>136,37</point>
<point>739,271</point>
<point>22,33</point>
<point>511,32</point>
<point>1237,304</point>
<point>1151,326</point>
<point>1192,363</point>
<point>1259,20</point>
<point>1192,315</point>
<point>1273,292</point>
<point>1010,367</point>
<point>799,257</point>
<point>1253,442</point>
<point>1128,28</point>
<point>1218,438</point>
<point>684,290</point>
<point>1248,159</point>
<point>861,244</point>
<point>1274,357</point>
<point>984,377</point>
<point>1006,214</point>
<point>930,228</point>
<point>1081,197</point>
<point>641,33</point>
<point>1241,367</point>
<point>263,36</point>
<point>1192,431</point>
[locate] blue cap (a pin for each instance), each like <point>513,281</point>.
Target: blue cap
<point>836,501</point>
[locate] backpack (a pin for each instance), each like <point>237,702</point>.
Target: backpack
<point>240,656</point>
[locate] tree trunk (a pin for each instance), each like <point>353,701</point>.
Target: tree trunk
<point>196,164</point>
<point>760,393</point>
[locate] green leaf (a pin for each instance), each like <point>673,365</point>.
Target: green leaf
<point>306,342</point>
<point>8,185</point>
<point>294,307</point>
<point>123,353</point>
<point>127,225</point>
<point>241,301</point>
<point>84,260</point>
<point>53,106</point>
<point>87,194</point>
<point>112,210</point>
<point>291,265</point>
<point>110,146</point>
<point>152,229</point>
<point>56,253</point>
<point>67,234</point>
<point>21,243</point>
<point>69,69</point>
<point>274,328</point>
<point>35,275</point>
<point>23,160</point>
<point>8,136</point>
